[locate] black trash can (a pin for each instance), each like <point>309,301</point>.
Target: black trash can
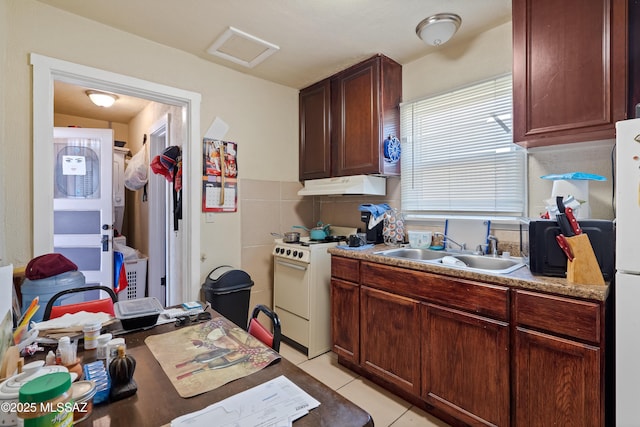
<point>228,291</point>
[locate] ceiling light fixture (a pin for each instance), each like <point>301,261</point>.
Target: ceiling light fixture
<point>438,29</point>
<point>101,99</point>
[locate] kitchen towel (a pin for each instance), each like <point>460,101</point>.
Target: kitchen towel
<point>355,248</point>
<point>377,213</point>
<point>376,210</point>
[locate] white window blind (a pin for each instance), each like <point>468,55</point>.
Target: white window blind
<point>458,153</point>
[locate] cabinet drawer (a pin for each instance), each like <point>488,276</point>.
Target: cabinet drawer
<point>475,297</point>
<point>345,269</point>
<point>574,318</point>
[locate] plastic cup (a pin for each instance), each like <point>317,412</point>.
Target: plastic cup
<point>91,332</point>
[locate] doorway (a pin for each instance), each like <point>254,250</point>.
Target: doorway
<point>187,239</point>
<point>139,127</point>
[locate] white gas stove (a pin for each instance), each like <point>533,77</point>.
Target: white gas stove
<point>302,278</point>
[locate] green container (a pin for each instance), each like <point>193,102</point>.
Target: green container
<point>46,401</point>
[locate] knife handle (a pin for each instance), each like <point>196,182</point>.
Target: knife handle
<point>564,224</point>
<point>575,226</point>
<point>564,245</point>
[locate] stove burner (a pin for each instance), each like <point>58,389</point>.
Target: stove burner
<point>328,239</point>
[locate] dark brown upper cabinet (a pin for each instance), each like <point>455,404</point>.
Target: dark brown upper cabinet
<point>315,131</point>
<point>345,119</point>
<point>569,70</point>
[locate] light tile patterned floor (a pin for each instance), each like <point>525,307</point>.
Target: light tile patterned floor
<point>387,409</point>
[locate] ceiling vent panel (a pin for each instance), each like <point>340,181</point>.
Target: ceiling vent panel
<point>242,48</point>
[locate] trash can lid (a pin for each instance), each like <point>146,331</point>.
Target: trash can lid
<point>225,279</point>
<point>217,272</point>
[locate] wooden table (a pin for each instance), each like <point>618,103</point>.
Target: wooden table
<point>157,403</point>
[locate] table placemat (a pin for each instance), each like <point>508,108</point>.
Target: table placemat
<point>208,355</point>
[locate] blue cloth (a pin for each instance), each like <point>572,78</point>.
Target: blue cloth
<point>575,175</point>
<point>355,248</point>
<point>376,210</point>
<point>120,276</point>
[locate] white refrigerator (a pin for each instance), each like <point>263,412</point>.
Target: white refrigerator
<point>627,282</point>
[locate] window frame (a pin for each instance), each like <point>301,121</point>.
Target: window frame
<point>504,216</point>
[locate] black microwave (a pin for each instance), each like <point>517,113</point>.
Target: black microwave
<point>540,249</point>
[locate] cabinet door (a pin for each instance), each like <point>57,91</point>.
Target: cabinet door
<point>569,70</point>
<point>390,336</point>
<point>315,136</point>
<point>345,319</point>
<point>355,120</point>
<point>465,362</point>
<point>557,382</point>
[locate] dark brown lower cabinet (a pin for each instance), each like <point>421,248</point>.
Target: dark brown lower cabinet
<point>471,352</point>
<point>465,368</point>
<point>390,337</point>
<point>345,319</point>
<point>557,381</point>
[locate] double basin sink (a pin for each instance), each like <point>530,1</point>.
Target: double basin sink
<point>461,261</point>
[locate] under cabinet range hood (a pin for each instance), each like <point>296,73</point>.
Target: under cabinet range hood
<point>356,184</point>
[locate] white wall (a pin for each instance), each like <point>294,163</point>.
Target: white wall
<point>262,116</point>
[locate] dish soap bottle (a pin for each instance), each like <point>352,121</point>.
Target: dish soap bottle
<point>121,372</point>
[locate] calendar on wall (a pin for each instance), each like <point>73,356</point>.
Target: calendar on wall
<point>219,176</point>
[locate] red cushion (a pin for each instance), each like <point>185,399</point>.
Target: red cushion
<point>95,306</point>
<point>260,332</point>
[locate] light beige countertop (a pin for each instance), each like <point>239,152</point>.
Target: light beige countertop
<point>519,279</point>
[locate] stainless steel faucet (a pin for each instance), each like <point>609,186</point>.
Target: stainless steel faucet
<point>448,239</point>
<point>493,241</point>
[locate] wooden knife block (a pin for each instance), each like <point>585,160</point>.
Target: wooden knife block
<point>584,269</point>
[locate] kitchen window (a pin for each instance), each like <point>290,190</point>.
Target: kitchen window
<point>458,154</point>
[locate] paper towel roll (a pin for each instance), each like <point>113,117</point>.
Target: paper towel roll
<point>579,189</point>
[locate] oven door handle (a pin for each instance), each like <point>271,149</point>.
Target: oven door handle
<point>291,265</point>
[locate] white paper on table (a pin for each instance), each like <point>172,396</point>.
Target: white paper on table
<point>276,403</point>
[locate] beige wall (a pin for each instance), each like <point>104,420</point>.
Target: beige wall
<point>592,157</point>
<point>262,116</point>
<point>459,63</point>
<point>120,130</point>
<point>267,206</point>
<point>136,211</point>
<point>3,145</point>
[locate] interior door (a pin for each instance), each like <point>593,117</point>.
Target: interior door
<point>159,221</point>
<point>82,205</point>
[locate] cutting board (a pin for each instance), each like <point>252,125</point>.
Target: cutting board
<point>472,232</point>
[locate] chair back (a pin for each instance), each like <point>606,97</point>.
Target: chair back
<point>104,305</point>
<point>259,331</point>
